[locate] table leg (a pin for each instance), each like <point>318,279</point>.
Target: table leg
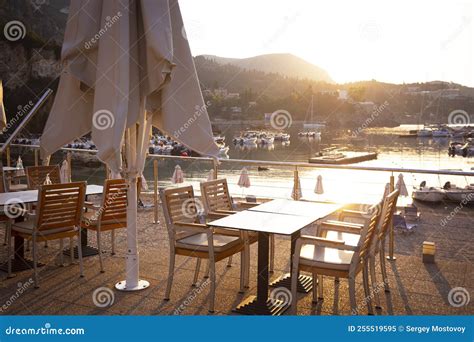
<point>87,250</point>
<point>305,283</point>
<point>262,304</point>
<point>19,262</point>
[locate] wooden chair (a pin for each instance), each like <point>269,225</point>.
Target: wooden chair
<point>190,238</point>
<point>110,215</point>
<point>58,216</point>
<point>325,257</point>
<point>36,175</point>
<point>218,203</point>
<point>3,216</point>
<point>386,210</point>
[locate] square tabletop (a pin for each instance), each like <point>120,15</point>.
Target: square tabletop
<point>31,196</point>
<point>260,221</point>
<point>315,210</point>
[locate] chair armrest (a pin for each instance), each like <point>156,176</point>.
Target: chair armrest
<point>351,213</point>
<point>225,212</point>
<point>215,215</point>
<point>320,241</point>
<point>246,205</point>
<point>90,205</point>
<point>343,227</point>
<point>193,227</point>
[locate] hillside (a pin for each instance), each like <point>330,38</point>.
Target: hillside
<point>285,64</point>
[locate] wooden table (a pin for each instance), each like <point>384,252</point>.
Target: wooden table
<point>315,210</point>
<point>19,262</point>
<point>266,223</point>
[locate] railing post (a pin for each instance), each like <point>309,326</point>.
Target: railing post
<point>36,157</point>
<point>8,157</point>
<point>69,163</point>
<point>390,256</point>
<point>296,195</point>
<point>215,165</point>
<point>155,189</point>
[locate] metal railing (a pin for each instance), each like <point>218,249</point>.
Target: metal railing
<point>296,166</point>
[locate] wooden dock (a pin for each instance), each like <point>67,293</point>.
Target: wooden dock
<point>341,159</point>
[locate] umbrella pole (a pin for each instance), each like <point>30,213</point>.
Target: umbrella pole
<point>132,282</point>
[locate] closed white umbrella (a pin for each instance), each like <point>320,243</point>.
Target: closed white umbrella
<point>128,65</point>
<point>401,186</point>
<point>64,173</point>
<point>211,175</point>
<point>296,193</point>
<point>3,118</point>
<point>178,176</point>
<point>244,180</point>
<point>319,190</point>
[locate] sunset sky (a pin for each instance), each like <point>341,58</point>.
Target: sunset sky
<point>390,41</point>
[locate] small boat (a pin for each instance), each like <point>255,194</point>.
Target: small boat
<point>428,194</point>
<point>249,140</point>
<point>267,139</point>
<point>282,137</point>
<point>219,139</point>
<point>441,133</point>
<point>455,194</point>
<point>424,133</point>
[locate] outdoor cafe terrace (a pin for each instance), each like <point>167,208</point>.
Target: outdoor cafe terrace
<point>415,287</point>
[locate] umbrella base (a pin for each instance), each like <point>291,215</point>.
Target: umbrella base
<point>122,286</point>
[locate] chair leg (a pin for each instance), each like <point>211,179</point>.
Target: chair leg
<point>212,274</point>
<point>384,270</point>
<point>315,288</point>
<point>61,255</point>
<point>272,253</point>
<point>367,292</point>
<point>9,250</point>
<point>229,263</point>
<point>243,270</point>
<point>46,244</point>
<point>170,275</point>
<point>35,262</point>
<point>352,295</point>
<point>247,266</point>
<point>294,287</point>
<point>71,250</point>
<point>375,286</point>
<point>79,254</point>
<point>196,271</point>
<point>320,286</point>
<point>113,241</point>
<point>206,273</point>
<point>99,245</point>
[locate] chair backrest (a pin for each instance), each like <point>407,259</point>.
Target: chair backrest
<point>215,195</point>
<point>114,201</point>
<point>366,237</point>
<point>388,209</point>
<point>36,175</point>
<point>179,205</point>
<point>60,206</point>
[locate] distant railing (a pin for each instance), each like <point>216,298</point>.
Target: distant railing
<point>215,164</point>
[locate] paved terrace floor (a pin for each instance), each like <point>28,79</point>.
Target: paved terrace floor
<point>416,288</point>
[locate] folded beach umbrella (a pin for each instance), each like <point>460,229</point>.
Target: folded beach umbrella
<point>178,176</point>
<point>296,193</point>
<point>128,66</point>
<point>211,175</point>
<point>401,186</point>
<point>244,180</point>
<point>64,172</point>
<point>319,190</point>
<point>3,118</point>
